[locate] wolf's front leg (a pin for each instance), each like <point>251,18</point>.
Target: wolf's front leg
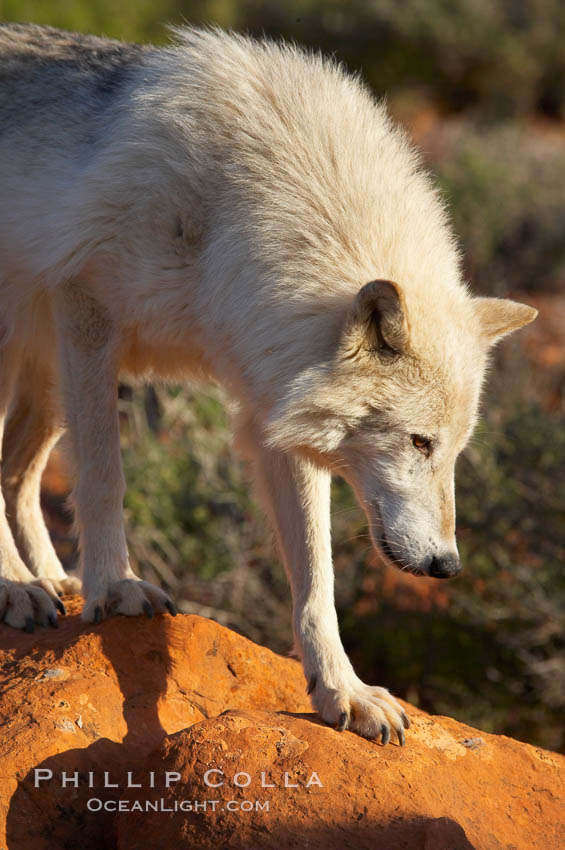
<point>88,349</point>
<point>296,494</point>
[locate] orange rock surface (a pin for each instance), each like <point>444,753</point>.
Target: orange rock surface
<point>84,706</point>
<point>100,698</point>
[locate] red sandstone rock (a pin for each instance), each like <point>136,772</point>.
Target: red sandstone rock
<point>450,788</point>
<point>145,697</point>
<point>100,698</point>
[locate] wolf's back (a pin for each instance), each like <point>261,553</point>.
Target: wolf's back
<point>56,80</point>
<point>295,174</point>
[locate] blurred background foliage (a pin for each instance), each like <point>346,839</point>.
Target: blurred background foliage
<point>480,84</point>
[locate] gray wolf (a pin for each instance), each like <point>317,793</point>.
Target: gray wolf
<point>243,212</point>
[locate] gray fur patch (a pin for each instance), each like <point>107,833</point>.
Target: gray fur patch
<point>72,77</point>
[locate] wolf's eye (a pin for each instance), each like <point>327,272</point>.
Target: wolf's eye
<point>423,444</point>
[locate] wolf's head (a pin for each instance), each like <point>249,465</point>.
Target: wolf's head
<point>394,408</point>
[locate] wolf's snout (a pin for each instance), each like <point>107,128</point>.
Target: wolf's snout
<point>445,566</point>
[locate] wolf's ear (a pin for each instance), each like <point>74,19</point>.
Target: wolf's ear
<point>378,319</point>
<point>500,316</point>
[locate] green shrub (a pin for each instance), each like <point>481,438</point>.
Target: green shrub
<point>187,503</point>
<point>505,190</point>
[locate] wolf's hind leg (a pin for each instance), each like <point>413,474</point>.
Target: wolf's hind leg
<point>31,432</point>
<point>89,356</point>
<point>23,599</point>
<point>296,494</point>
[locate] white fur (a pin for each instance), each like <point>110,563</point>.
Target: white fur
<point>222,225</point>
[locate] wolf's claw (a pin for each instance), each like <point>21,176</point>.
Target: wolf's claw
<point>369,711</point>
<point>342,723</point>
<point>26,604</point>
<point>129,596</point>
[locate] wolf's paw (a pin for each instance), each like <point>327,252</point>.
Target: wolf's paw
<point>130,597</point>
<point>371,712</point>
<point>67,585</point>
<point>25,604</point>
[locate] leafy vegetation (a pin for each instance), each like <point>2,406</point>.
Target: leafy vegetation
<point>505,188</point>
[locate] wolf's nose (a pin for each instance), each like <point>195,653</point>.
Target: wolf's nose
<point>445,566</point>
